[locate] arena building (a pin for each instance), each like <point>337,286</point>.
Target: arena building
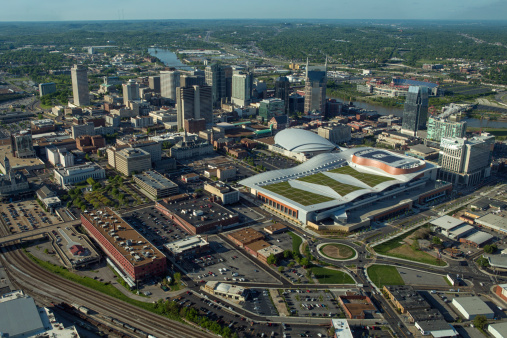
<point>300,144</point>
<point>349,189</point>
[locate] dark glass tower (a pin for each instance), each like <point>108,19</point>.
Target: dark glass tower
<point>282,89</point>
<point>415,112</point>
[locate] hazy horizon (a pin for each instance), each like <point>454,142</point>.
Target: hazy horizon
<point>95,10</point>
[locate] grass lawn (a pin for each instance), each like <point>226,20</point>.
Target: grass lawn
<point>494,131</point>
<point>302,197</point>
<point>396,247</point>
<point>368,179</point>
<point>382,275</point>
<point>328,276</point>
<point>337,251</point>
<point>321,179</point>
<point>296,241</point>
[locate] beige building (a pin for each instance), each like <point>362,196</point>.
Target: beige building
<point>225,193</point>
<point>129,160</point>
<point>336,133</point>
<point>80,88</point>
<point>228,291</point>
<point>155,186</point>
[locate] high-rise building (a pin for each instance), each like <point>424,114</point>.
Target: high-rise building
<point>215,77</point>
<point>242,84</point>
<point>465,161</point>
<point>271,107</point>
<point>169,81</point>
<point>47,88</point>
<point>296,103</point>
<point>154,83</point>
<point>187,80</point>
<point>130,91</point>
<point>439,128</point>
<point>315,88</point>
<point>22,144</point>
<point>415,111</point>
<point>282,90</point>
<point>80,88</point>
<point>194,103</point>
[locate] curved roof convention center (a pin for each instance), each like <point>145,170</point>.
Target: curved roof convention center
<point>333,179</point>
<point>302,141</point>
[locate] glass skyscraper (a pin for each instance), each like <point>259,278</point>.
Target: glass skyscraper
<point>415,112</point>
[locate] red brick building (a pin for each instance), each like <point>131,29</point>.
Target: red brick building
<point>89,144</point>
<point>194,126</point>
<point>356,306</point>
<point>501,291</point>
<point>245,236</point>
<point>126,247</point>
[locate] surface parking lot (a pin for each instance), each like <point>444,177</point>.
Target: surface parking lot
<point>260,303</point>
<point>25,216</point>
<point>225,263</point>
<point>311,303</point>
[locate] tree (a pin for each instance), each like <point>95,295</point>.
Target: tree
<point>271,259</point>
<point>436,240</point>
<point>490,249</point>
<point>281,268</point>
<point>483,262</point>
<point>287,254</point>
<point>304,262</point>
<point>480,321</point>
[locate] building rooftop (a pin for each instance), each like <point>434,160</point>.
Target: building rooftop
<point>341,328</point>
<point>421,148</point>
<point>246,235</point>
<point>460,229</point>
<point>132,153</point>
<point>78,169</point>
<point>20,316</point>
<point>473,305</point>
<point>226,288</point>
<point>19,163</point>
<point>446,222</point>
<point>498,261</point>
<point>186,244</point>
<point>499,328</point>
<point>479,237</point>
<point>155,180</point>
<point>123,237</point>
<point>494,221</point>
<point>275,227</point>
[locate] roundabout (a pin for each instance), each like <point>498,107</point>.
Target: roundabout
<point>337,251</point>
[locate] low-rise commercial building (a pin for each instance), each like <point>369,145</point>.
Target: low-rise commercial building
<point>498,330</point>
<point>187,247</point>
<point>245,236</point>
<point>126,247</point>
<point>471,307</point>
<point>227,291</point>
<point>79,173</point>
<point>155,186</point>
<point>356,306</point>
<point>341,328</point>
<point>276,228</point>
<point>224,193</point>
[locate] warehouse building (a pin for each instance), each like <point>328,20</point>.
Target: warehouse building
<point>471,307</point>
<point>498,330</point>
<point>276,228</point>
<point>127,248</point>
<point>155,186</point>
<point>245,236</point>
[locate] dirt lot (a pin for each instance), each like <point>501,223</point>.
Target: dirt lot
<point>335,251</point>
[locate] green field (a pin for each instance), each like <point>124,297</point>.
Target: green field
<point>321,179</point>
<point>296,241</point>
<point>368,179</point>
<point>297,195</point>
<point>328,276</point>
<point>382,275</point>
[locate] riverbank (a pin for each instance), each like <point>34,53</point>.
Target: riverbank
<point>497,132</point>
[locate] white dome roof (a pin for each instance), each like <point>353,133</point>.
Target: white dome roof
<point>302,141</point>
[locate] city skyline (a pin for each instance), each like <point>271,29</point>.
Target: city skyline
<point>57,10</point>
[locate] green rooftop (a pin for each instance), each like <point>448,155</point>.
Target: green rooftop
<point>368,179</point>
<point>321,179</point>
<point>302,197</point>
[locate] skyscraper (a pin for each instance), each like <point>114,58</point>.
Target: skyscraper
<point>415,112</point>
<point>194,103</point>
<point>282,89</point>
<point>439,128</point>
<point>242,84</point>
<point>154,83</point>
<point>216,79</point>
<point>315,88</point>
<point>130,91</point>
<point>187,80</point>
<point>465,161</point>
<point>80,88</point>
<point>169,81</point>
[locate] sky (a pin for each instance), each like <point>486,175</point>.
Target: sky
<point>73,10</point>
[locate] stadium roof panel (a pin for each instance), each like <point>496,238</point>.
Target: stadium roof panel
<point>302,141</point>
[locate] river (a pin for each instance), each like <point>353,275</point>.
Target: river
<point>399,112</point>
<point>168,58</point>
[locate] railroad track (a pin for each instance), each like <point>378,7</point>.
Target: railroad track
<point>31,275</point>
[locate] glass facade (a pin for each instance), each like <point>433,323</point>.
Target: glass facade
<point>415,112</point>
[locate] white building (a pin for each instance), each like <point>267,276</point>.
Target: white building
<point>79,173</point>
<point>130,91</point>
<point>341,328</point>
<point>141,121</point>
<point>471,307</point>
<point>162,116</point>
<point>498,330</point>
<point>59,157</point>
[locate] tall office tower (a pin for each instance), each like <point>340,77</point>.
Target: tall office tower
<point>242,84</point>
<point>228,81</point>
<point>315,88</point>
<point>80,88</point>
<point>415,112</point>
<point>215,78</point>
<point>191,80</point>
<point>154,83</point>
<point>130,91</point>
<point>439,128</point>
<point>282,89</point>
<point>465,161</point>
<point>194,102</point>
<point>169,81</point>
